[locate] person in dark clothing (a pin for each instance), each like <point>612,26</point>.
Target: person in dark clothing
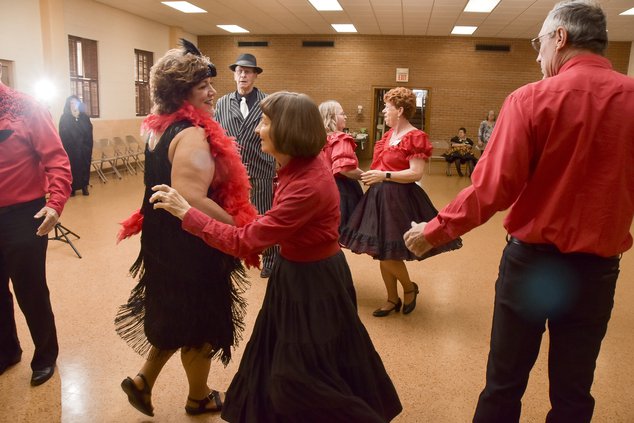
<point>75,130</point>
<point>461,152</point>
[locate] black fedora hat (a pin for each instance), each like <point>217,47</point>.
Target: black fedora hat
<point>246,60</point>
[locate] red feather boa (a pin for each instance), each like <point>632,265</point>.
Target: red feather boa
<point>230,185</point>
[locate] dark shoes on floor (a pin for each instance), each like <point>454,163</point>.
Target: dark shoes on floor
<point>202,404</point>
<point>141,399</point>
<point>4,365</point>
<point>266,272</point>
<point>84,191</point>
<point>42,375</point>
<point>379,312</point>
<point>409,307</point>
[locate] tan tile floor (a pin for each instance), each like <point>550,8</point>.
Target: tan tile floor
<point>436,356</point>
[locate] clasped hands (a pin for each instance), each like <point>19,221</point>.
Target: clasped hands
<point>415,240</point>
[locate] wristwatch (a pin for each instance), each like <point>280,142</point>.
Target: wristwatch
<point>388,175</point>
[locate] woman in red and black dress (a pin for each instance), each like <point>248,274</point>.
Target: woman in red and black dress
<point>309,358</point>
<point>340,157</point>
<point>393,201</point>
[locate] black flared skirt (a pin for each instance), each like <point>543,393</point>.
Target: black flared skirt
<point>310,358</point>
<point>350,194</point>
<point>381,218</point>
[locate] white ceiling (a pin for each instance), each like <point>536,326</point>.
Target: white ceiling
<point>510,19</point>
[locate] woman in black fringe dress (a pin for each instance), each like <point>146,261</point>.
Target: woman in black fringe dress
<point>309,358</point>
<point>339,155</point>
<point>188,295</point>
<point>393,201</point>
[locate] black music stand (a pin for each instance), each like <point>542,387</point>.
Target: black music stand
<point>61,234</point>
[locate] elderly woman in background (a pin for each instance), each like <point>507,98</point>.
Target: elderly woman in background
<point>486,129</point>
<point>393,201</point>
<point>340,156</point>
<point>75,130</point>
<point>188,295</point>
<point>309,358</point>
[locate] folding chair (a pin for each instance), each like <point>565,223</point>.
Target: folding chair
<point>96,162</point>
<point>137,151</point>
<point>108,156</point>
<point>121,150</point>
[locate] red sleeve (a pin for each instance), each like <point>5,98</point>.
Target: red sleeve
<point>497,181</point>
<point>281,222</point>
<point>417,145</point>
<point>48,147</point>
<point>343,156</point>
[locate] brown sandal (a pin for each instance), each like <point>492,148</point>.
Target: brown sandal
<point>202,404</point>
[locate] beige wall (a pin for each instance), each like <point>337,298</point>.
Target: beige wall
<point>464,83</point>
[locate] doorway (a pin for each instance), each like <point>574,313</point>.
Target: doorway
<point>420,119</point>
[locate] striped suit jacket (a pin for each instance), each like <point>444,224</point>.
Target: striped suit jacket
<point>259,164</point>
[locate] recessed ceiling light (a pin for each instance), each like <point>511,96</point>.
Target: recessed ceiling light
<point>628,12</point>
<point>344,28</point>
<point>481,6</point>
<point>463,30</point>
<point>326,5</point>
<point>232,28</point>
<point>184,6</point>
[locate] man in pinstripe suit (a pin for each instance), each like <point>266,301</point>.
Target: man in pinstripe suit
<point>239,113</point>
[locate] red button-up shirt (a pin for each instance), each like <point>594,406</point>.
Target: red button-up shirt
<point>32,159</point>
<point>304,219</point>
<point>562,158</point>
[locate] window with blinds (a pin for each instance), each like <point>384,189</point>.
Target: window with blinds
<point>84,73</point>
<point>143,61</point>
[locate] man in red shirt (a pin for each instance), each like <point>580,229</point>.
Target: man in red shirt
<point>561,158</point>
<point>33,163</point>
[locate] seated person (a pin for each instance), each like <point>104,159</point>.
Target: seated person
<point>460,152</point>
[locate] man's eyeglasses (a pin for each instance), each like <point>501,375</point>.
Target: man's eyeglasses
<point>537,42</point>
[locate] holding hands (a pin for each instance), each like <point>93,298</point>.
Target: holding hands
<point>169,199</point>
<point>415,240</point>
<point>372,177</point>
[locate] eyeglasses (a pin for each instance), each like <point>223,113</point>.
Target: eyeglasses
<point>537,42</point>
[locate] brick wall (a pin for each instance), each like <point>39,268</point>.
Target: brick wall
<point>464,83</point>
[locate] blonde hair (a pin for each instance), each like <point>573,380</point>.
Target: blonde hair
<point>328,110</point>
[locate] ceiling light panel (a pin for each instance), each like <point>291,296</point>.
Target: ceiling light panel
<point>344,28</point>
<point>481,6</point>
<point>463,30</point>
<point>184,6</point>
<point>326,5</point>
<point>233,28</point>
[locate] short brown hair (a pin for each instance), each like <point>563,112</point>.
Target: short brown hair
<point>173,77</point>
<point>296,125</point>
<point>402,97</point>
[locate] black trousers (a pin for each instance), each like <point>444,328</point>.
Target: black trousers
<point>23,260</point>
<point>574,295</point>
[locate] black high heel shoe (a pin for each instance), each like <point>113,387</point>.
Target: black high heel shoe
<point>382,313</point>
<point>408,308</point>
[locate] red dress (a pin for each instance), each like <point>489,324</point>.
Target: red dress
<point>338,153</point>
<point>387,209</point>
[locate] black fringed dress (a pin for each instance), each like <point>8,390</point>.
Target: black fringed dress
<point>188,294</point>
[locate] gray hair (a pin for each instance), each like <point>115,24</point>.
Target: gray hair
<point>328,110</point>
<point>584,21</point>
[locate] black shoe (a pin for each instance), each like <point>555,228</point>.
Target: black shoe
<point>141,399</point>
<point>84,191</point>
<point>41,376</point>
<point>12,362</point>
<point>266,272</point>
<point>201,407</point>
<point>408,308</point>
<point>72,193</point>
<point>379,312</point>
